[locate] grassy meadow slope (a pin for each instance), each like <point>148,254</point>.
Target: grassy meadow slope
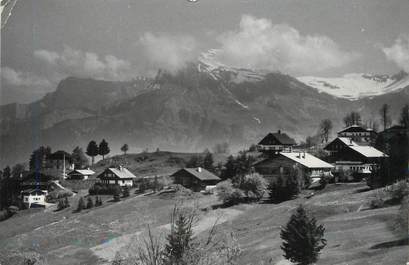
<point>355,234</point>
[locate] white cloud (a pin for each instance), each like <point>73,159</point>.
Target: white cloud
<point>71,62</point>
<point>23,79</point>
<point>169,52</point>
<point>399,52</point>
<point>259,44</point>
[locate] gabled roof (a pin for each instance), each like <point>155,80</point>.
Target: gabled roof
<point>85,172</point>
<point>121,173</point>
<point>365,150</point>
<point>347,141</point>
<point>368,151</point>
<point>355,128</point>
<point>277,138</point>
<point>201,173</point>
<point>307,160</point>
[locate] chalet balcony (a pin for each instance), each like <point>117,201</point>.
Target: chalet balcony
<point>274,148</point>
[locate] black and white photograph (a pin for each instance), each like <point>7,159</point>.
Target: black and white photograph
<point>204,132</point>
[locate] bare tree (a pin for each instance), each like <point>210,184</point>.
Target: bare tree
<point>353,118</point>
<point>325,130</point>
<point>404,116</point>
<point>385,116</point>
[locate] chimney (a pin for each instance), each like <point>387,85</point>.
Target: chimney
<point>303,155</point>
<point>199,169</point>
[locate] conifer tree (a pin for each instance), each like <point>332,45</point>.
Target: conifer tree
<point>125,148</point>
<point>208,161</point>
<point>92,150</point>
<point>303,238</point>
<point>180,238</point>
<point>103,149</point>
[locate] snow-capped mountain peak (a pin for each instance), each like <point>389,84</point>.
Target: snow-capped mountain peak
<point>357,85</point>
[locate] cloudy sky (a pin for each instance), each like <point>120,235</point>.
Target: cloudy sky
<point>47,40</point>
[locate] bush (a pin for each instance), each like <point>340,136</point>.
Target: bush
<point>125,192</point>
<point>56,195</point>
<point>254,186</point>
<point>90,203</point>
<point>228,194</point>
<point>377,201</point>
<point>63,203</point>
<point>323,182</point>
<point>116,193</point>
<point>98,201</point>
<point>278,192</point>
<point>81,204</point>
<point>102,189</point>
<point>398,191</point>
<point>5,214</point>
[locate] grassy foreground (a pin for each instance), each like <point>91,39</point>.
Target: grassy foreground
<point>355,233</point>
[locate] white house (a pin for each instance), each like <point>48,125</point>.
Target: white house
<point>120,176</point>
<point>34,197</point>
<point>81,174</point>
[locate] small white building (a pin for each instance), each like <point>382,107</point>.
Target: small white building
<point>34,198</point>
<point>80,174</point>
<point>117,176</point>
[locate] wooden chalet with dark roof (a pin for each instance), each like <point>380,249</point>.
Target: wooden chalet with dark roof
<point>195,179</point>
<point>117,176</point>
<point>347,154</point>
<point>358,134</point>
<point>276,143</point>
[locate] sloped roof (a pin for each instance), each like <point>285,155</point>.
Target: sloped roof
<point>85,172</point>
<point>201,173</point>
<point>355,128</point>
<point>121,173</point>
<point>277,138</point>
<point>365,150</point>
<point>368,151</point>
<point>348,141</point>
<point>307,160</point>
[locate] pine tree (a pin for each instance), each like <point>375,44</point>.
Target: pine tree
<point>38,158</point>
<point>90,203</point>
<point>302,238</point>
<point>81,204</point>
<point>103,149</point>
<point>208,161</point>
<point>92,150</point>
<point>125,148</point>
<point>180,238</point>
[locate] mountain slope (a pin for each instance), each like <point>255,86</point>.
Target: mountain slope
<point>191,110</point>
